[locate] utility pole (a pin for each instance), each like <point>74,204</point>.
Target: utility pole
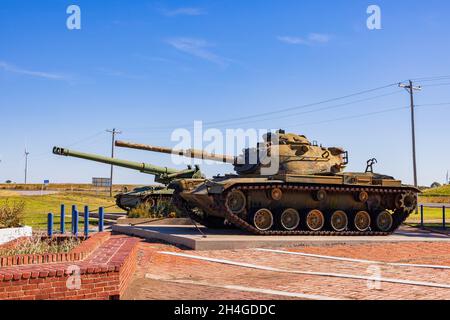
<point>411,88</point>
<point>113,135</point>
<point>26,164</point>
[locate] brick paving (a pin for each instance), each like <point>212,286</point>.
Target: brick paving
<point>151,262</point>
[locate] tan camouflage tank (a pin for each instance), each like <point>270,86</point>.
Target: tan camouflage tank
<point>310,194</point>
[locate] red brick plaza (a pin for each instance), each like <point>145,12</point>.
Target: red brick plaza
<point>163,276</point>
<point>123,267</point>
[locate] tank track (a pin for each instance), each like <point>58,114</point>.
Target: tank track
<point>120,205</point>
<point>210,222</point>
<point>398,217</point>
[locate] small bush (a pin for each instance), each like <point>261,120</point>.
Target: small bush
<point>143,210</point>
<point>164,209</point>
<point>11,215</point>
<point>436,185</point>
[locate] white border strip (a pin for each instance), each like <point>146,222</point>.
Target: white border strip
<point>244,288</point>
<point>311,273</point>
<point>355,260</point>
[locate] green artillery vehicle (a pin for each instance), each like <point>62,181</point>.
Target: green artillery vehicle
<point>147,196</point>
<point>309,194</point>
<point>151,196</point>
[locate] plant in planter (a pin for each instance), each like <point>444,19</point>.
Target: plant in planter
<point>11,221</point>
<point>38,244</point>
<point>11,215</point>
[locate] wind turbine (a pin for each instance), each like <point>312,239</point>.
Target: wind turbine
<point>26,164</point>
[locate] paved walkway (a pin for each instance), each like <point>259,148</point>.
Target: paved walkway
<point>164,276</point>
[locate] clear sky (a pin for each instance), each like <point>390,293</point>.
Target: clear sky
<point>147,67</point>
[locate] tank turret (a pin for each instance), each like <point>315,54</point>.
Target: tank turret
<point>296,155</point>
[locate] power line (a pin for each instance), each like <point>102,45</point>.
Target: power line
<point>46,154</point>
<point>319,109</point>
<point>435,78</point>
<point>305,105</point>
<point>351,117</point>
<point>437,85</point>
<point>278,110</point>
<point>254,118</point>
<point>368,114</point>
<point>86,139</point>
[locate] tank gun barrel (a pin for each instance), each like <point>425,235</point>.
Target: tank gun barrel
<point>162,174</point>
<point>190,153</point>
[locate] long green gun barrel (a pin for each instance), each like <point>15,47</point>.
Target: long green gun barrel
<point>162,174</point>
<point>189,153</point>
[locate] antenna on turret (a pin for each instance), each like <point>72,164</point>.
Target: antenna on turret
<point>370,163</point>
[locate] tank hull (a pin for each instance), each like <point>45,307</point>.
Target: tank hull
<point>149,195</point>
<point>345,204</point>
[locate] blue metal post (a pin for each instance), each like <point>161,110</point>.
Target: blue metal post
<point>443,218</point>
<point>421,216</point>
<point>86,221</point>
<point>74,209</point>
<point>63,219</point>
<point>75,222</point>
<point>50,224</point>
<point>101,217</point>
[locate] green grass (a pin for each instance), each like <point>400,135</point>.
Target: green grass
<point>429,214</point>
<point>37,207</point>
<point>443,191</point>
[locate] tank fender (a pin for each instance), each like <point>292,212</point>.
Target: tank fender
<point>214,188</point>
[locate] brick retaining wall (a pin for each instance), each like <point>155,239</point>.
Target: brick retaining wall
<point>107,263</point>
<point>79,253</point>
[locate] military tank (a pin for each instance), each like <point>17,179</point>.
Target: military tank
<point>150,196</point>
<point>309,194</point>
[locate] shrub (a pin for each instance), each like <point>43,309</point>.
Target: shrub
<point>164,209</point>
<point>11,215</point>
<point>436,185</point>
<point>141,211</point>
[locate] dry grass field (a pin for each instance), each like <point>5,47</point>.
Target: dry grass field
<point>62,187</point>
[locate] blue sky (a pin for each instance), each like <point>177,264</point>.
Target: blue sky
<point>147,67</point>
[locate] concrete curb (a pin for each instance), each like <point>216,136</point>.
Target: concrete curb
<point>152,234</point>
<point>10,234</point>
<point>189,237</point>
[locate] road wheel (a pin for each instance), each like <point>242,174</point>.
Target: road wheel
<point>263,219</point>
<point>362,221</point>
<point>384,221</point>
<point>339,220</point>
<point>290,219</point>
<point>236,201</point>
<point>315,220</point>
